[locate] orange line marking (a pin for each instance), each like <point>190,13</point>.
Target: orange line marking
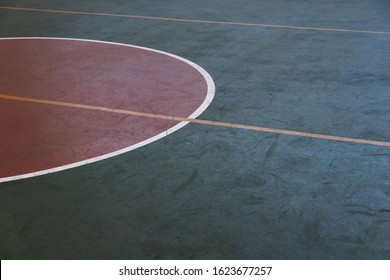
<point>198,121</point>
<point>197,21</point>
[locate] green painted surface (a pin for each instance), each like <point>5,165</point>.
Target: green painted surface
<point>216,193</point>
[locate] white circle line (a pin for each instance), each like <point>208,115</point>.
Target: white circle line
<point>196,113</point>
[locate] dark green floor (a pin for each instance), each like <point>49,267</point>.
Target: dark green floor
<point>217,193</point>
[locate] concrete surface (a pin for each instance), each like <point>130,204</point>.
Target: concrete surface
<point>219,193</point>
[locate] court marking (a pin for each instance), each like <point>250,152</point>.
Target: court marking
<point>198,121</point>
<point>206,102</point>
<point>198,21</point>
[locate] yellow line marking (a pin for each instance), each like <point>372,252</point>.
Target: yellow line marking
<point>196,21</point>
<point>198,121</point>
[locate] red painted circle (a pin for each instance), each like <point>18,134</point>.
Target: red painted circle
<point>38,137</point>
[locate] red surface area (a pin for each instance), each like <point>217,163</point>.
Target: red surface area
<point>36,137</point>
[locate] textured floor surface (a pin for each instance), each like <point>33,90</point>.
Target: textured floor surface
<point>210,192</point>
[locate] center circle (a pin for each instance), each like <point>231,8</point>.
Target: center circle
<point>41,138</point>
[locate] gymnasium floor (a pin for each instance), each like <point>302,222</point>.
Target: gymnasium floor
<point>236,185</point>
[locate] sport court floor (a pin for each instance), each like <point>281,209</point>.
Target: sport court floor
<point>216,192</point>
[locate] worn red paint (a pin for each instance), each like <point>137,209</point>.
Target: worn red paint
<point>36,137</point>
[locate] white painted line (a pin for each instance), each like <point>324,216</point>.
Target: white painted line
<point>199,21</point>
<point>196,113</point>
